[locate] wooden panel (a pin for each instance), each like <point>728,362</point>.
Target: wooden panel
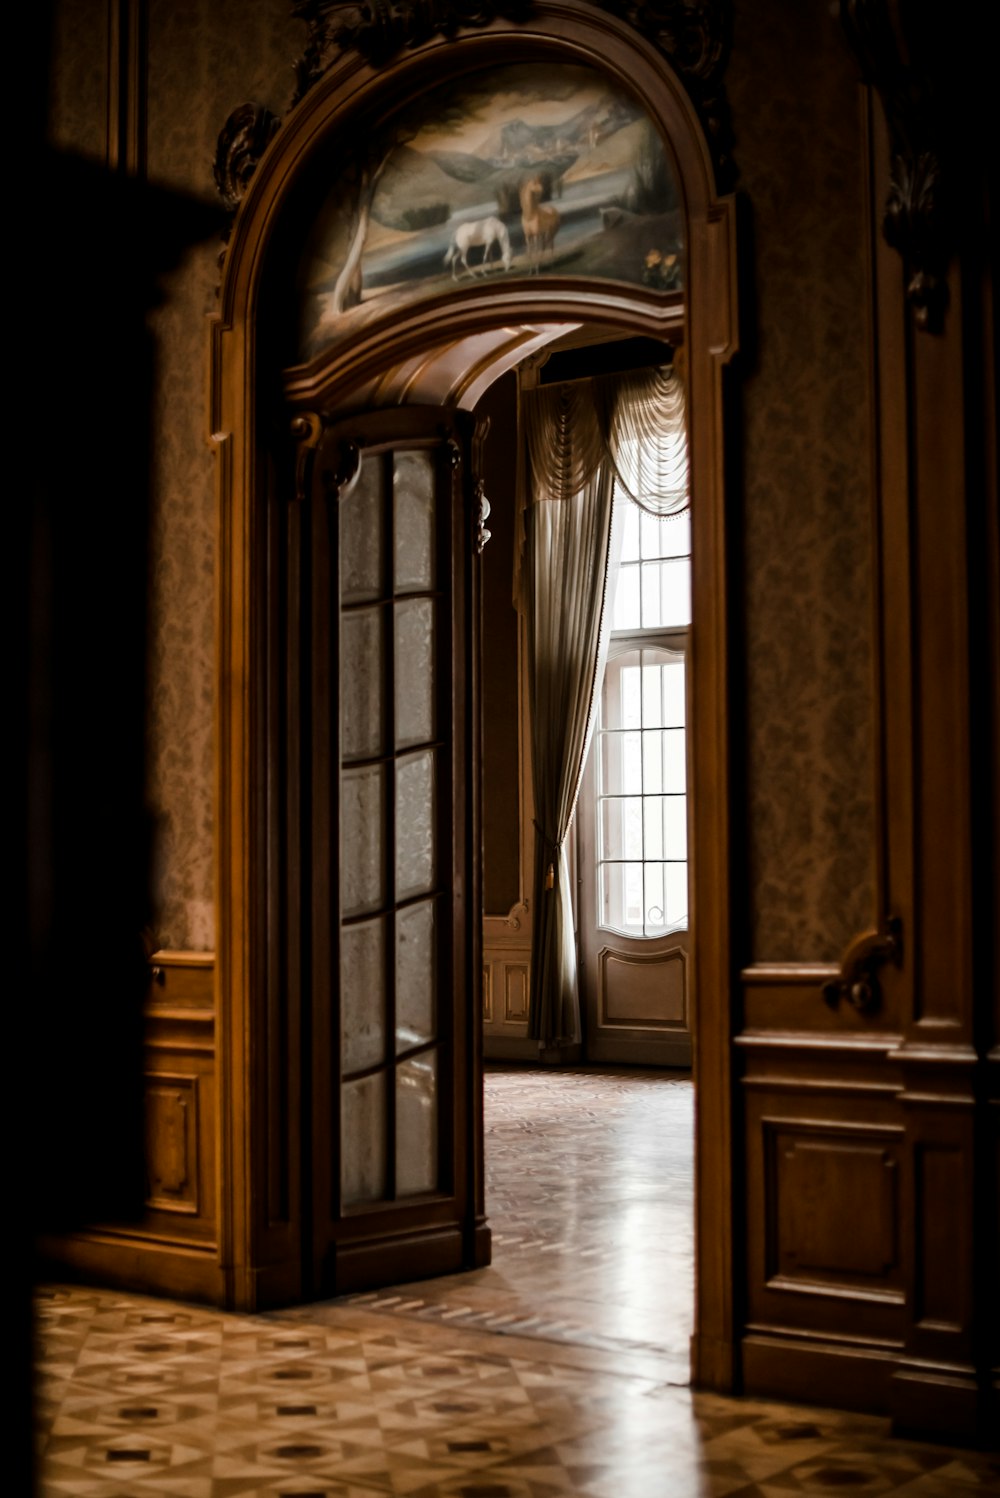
<point>642,992</point>
<point>487,993</point>
<point>833,1207</point>
<point>515,993</point>
<point>938,1178</point>
<point>172,1143</point>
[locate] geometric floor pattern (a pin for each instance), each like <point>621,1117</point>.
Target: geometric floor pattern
<point>422,1393</point>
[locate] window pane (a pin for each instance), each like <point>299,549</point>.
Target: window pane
<point>675,883</point>
<point>674,768</point>
<point>361,684</point>
<point>415,819</point>
<point>626,610</point>
<point>417,1125</point>
<point>621,827</point>
<point>652,761</point>
<point>670,537</point>
<point>363,1139</point>
<point>362,983</point>
<point>361,535</point>
<point>416,975</point>
<point>631,697</point>
<point>362,840</point>
<point>414,674</point>
<point>413,540</point>
<point>655,899</point>
<point>672,679</point>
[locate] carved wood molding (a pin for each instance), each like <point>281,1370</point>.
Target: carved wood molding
<point>242,141</point>
<point>380,28</point>
<point>695,37</point>
<point>900,56</point>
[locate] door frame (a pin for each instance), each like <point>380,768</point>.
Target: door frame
<point>259,1145</point>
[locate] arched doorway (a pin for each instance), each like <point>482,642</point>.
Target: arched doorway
<point>278,491</point>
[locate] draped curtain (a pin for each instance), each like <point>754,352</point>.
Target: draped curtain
<point>584,441</point>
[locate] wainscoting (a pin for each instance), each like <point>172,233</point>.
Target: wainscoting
<point>174,1246</point>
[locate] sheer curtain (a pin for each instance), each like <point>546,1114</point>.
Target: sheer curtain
<point>584,440</point>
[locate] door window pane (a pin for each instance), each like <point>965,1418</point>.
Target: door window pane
<point>415,819</point>
<point>361,672</point>
<point>413,534</point>
<point>417,1124</point>
<point>416,975</point>
<point>362,840</point>
<point>361,535</point>
<point>414,672</point>
<point>363,1140</point>
<point>362,995</point>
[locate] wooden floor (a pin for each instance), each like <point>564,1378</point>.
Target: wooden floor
<point>559,1372</point>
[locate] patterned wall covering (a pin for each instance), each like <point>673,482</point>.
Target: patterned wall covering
<point>205,57</point>
<point>808,624</point>
<point>78,77</point>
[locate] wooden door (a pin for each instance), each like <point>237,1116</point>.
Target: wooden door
<point>391,829</point>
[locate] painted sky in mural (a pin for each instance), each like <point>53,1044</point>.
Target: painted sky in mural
<point>531,169</point>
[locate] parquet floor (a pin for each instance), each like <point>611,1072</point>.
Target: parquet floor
<point>556,1373</point>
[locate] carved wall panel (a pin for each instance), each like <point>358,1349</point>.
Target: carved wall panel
<point>172,1142</point>
<point>640,991</point>
<point>515,993</point>
<point>833,1206</point>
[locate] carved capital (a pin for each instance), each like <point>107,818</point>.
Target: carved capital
<point>242,141</point>
<point>900,58</point>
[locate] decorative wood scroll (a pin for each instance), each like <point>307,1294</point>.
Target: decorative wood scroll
<point>857,983</point>
<point>695,37</point>
<point>242,141</point>
<point>900,58</point>
<point>379,28</point>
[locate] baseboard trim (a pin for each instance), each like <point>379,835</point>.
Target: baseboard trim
<point>937,1404</point>
<point>840,1375</point>
<point>131,1264</point>
<point>394,1261</point>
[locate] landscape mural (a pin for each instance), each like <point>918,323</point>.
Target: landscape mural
<point>531,169</point>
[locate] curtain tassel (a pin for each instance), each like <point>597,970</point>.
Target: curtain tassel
<point>550,877</point>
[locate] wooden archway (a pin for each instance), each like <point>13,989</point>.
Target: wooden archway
<point>260,1150</point>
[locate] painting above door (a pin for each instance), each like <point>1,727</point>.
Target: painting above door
<point>526,169</point>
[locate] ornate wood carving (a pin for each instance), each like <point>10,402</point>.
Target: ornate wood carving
<point>242,141</point>
<point>379,28</point>
<point>900,58</point>
<point>695,37</point>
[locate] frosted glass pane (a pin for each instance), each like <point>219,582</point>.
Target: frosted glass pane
<point>361,535</point>
<point>363,1140</point>
<point>415,851</point>
<point>362,840</point>
<point>413,539</point>
<point>360,684</point>
<point>417,1125</point>
<point>362,995</point>
<point>416,976</point>
<point>415,684</point>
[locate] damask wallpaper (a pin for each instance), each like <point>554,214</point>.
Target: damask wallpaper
<point>808,757</point>
<point>205,56</point>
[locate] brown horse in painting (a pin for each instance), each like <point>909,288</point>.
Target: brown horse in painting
<point>540,222</point>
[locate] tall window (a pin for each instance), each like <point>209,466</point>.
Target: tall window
<point>642,868</point>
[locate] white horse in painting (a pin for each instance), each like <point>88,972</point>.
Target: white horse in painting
<point>481,231</point>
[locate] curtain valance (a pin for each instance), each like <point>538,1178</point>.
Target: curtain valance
<point>634,422</point>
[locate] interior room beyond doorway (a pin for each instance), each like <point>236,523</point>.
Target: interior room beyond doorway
<point>589,1192</point>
